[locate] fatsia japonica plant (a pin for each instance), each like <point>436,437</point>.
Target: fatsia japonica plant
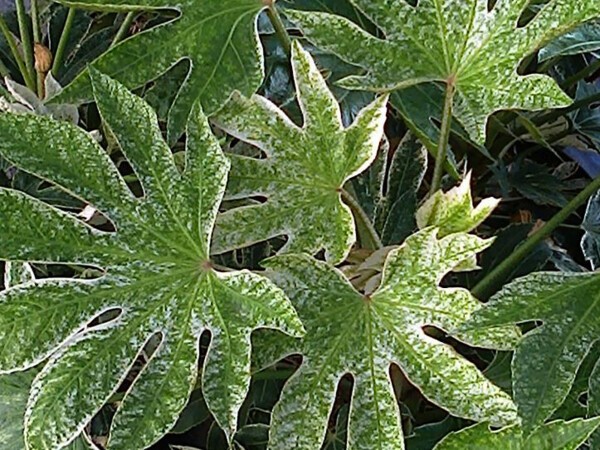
<point>235,240</point>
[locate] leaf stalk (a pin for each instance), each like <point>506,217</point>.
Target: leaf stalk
<point>492,281</point>
<point>124,28</point>
<point>25,39</point>
<point>442,149</point>
<point>280,29</point>
<point>16,54</point>
<point>366,231</point>
<point>589,70</point>
<point>62,43</point>
<point>35,22</point>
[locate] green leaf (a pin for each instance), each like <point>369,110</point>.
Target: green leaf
<point>14,391</point>
<point>157,279</point>
<point>426,436</point>
<point>17,273</point>
<point>422,108</point>
<point>15,387</point>
<point>590,242</point>
<point>453,211</point>
<point>593,402</point>
<point>452,41</point>
<point>397,209</point>
<point>559,435</point>
<point>219,39</point>
<point>348,332</point>
<point>583,39</point>
<point>304,169</point>
<point>547,359</point>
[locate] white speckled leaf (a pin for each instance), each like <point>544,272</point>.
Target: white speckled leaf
<point>546,361</point>
<point>17,273</point>
<point>15,387</point>
<point>156,275</point>
<point>558,435</point>
<point>304,168</point>
<point>452,40</point>
<point>14,392</point>
<point>453,211</point>
<point>351,333</point>
<point>219,39</point>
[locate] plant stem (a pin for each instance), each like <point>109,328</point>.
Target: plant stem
<point>41,85</point>
<point>442,150</point>
<point>492,281</point>
<point>280,30</point>
<point>16,54</point>
<point>62,43</point>
<point>25,39</point>
<point>365,228</point>
<point>35,22</point>
<point>124,28</point>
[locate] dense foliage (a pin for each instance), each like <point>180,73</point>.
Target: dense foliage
<point>249,224</point>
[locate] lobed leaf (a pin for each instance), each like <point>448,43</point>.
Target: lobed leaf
<point>547,359</point>
<point>304,170</point>
<point>156,281</point>
<point>348,332</point>
<point>461,42</point>
<point>219,39</point>
<point>558,435</point>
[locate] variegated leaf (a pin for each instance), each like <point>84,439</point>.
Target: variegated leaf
<point>559,435</point>
<point>461,42</point>
<point>17,273</point>
<point>15,387</point>
<point>218,38</point>
<point>453,211</point>
<point>546,361</point>
<point>157,279</point>
<point>304,169</point>
<point>348,332</point>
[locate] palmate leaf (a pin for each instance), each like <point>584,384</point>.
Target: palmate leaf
<point>157,276</point>
<point>219,39</point>
<point>304,169</point>
<point>362,335</point>
<point>452,41</point>
<point>546,361</point>
<point>559,435</point>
